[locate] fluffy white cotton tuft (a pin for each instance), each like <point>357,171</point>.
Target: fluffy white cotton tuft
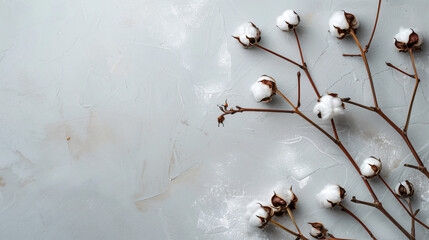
<point>285,192</point>
<point>403,36</point>
<point>328,107</point>
<point>254,212</point>
<point>370,167</point>
<point>288,20</point>
<point>263,89</point>
<point>330,196</point>
<point>339,20</point>
<point>247,34</point>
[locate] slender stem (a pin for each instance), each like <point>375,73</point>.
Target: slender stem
<point>358,104</point>
<point>334,129</point>
<point>304,65</point>
<point>413,223</point>
<point>380,207</point>
<point>299,89</point>
<point>375,26</point>
<point>363,202</point>
<point>399,70</point>
<point>399,226</point>
<point>293,220</point>
<point>299,46</point>
<point>278,55</point>
<point>366,66</point>
<point>404,136</point>
<point>357,219</point>
<point>414,92</point>
<point>317,126</point>
<point>285,98</point>
<point>351,55</point>
<point>257,110</point>
<point>288,230</point>
<point>412,166</point>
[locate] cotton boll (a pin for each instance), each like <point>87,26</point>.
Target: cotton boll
<point>317,230</point>
<point>288,20</point>
<point>404,189</point>
<point>331,195</point>
<point>370,167</point>
<point>258,215</point>
<point>247,34</point>
<point>408,38</point>
<point>264,89</point>
<point>328,106</point>
<point>341,23</point>
<point>283,198</point>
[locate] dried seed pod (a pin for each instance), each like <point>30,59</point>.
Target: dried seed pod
<point>317,230</point>
<point>408,38</point>
<point>247,34</point>
<point>404,189</point>
<point>283,198</point>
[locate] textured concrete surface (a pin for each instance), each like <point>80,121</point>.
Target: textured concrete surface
<point>135,85</point>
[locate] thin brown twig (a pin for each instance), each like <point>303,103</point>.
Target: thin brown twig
<point>293,220</point>
<point>343,208</point>
<point>366,66</point>
<point>399,200</point>
<point>413,222</point>
<point>304,65</point>
<point>375,26</point>
<point>379,206</point>
<point>347,100</point>
<point>278,55</point>
<point>351,55</point>
<point>414,92</point>
<point>399,70</point>
<point>299,89</point>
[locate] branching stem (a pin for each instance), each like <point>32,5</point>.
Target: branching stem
<point>343,208</point>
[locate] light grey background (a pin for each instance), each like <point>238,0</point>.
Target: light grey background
<point>135,85</point>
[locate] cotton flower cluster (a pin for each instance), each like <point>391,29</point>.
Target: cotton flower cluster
<point>331,195</point>
<point>317,230</point>
<point>288,20</point>
<point>408,38</point>
<point>328,106</point>
<point>370,167</point>
<point>404,189</point>
<point>259,214</point>
<point>264,89</point>
<point>247,34</point>
<point>342,23</point>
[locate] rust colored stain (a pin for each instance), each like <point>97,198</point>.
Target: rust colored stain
<point>2,182</point>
